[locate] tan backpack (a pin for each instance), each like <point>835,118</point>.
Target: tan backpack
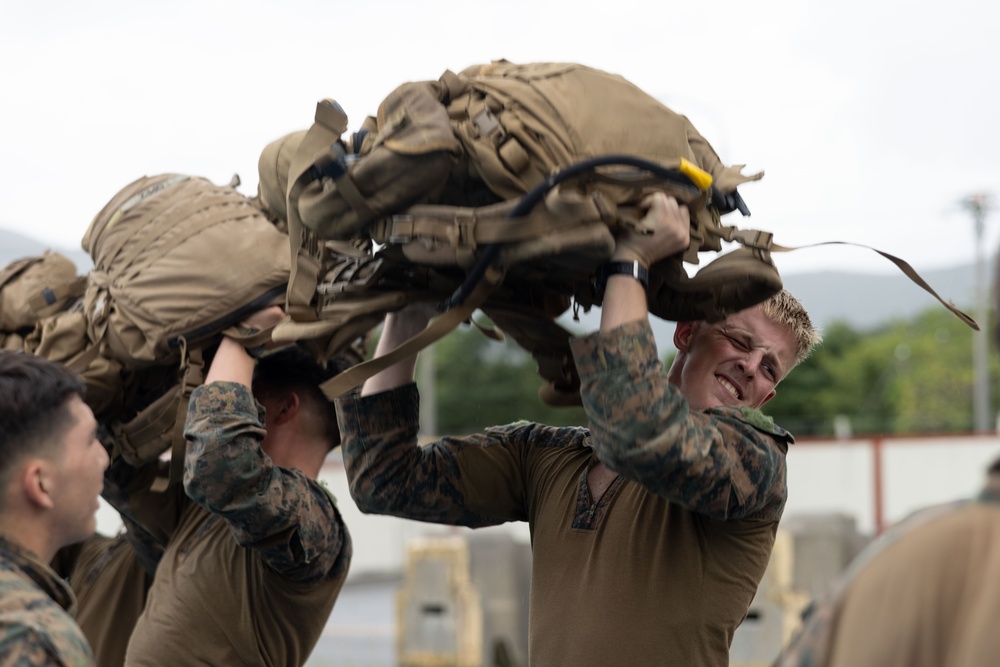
<point>509,181</point>
<point>35,287</point>
<point>41,313</point>
<point>178,262</point>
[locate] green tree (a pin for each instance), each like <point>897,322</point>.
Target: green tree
<point>905,377</point>
<point>908,376</point>
<point>481,383</point>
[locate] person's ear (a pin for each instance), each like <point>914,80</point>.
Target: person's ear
<point>36,482</point>
<point>288,408</point>
<point>682,335</point>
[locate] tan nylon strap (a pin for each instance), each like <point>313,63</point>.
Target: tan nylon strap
<point>903,266</point>
<point>182,213</point>
<point>437,328</point>
<point>248,337</point>
<point>159,204</point>
<point>463,226</point>
<point>193,377</point>
<point>304,275</point>
<point>349,191</point>
<point>81,362</point>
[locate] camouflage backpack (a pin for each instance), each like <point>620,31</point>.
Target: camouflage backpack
<point>503,186</point>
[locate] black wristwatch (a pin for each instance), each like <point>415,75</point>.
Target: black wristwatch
<point>608,269</point>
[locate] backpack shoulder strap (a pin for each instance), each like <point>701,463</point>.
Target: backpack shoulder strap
<point>437,328</point>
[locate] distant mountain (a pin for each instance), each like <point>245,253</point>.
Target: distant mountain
<point>864,301</point>
<point>15,246</point>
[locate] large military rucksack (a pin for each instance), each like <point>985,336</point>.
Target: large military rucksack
<point>178,261</point>
<point>503,185</point>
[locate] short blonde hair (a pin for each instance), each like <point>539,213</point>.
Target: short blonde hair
<point>786,310</point>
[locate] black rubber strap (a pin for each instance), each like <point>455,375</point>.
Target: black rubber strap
<point>633,269</point>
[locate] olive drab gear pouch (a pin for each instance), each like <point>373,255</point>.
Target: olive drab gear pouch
<point>35,287</point>
<point>511,181</point>
<point>62,337</point>
<point>41,314</point>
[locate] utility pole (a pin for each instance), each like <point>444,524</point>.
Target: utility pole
<point>978,204</point>
<point>427,380</point>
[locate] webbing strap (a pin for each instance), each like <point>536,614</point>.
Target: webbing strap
<point>182,213</point>
<point>81,362</point>
<point>111,255</point>
<point>903,266</point>
<point>349,191</point>
<point>193,377</point>
<point>305,265</point>
<point>247,336</point>
<point>464,226</point>
<point>437,328</point>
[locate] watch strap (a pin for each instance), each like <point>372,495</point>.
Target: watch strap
<point>633,269</point>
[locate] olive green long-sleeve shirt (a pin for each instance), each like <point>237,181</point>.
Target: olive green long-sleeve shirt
<point>657,571</point>
<point>256,553</point>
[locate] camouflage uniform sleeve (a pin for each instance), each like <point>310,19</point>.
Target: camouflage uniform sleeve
<point>476,480</point>
<point>28,648</point>
<point>285,516</point>
<point>726,463</point>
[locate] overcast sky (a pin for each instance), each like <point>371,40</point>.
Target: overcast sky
<point>872,120</point>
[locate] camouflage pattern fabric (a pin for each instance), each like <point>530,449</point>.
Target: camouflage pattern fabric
<point>670,554</point>
<point>230,477</point>
<point>717,462</point>
<point>720,462</point>
<point>35,625</point>
<point>256,556</point>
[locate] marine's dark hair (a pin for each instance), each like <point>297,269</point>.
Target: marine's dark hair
<point>294,369</point>
<point>33,405</point>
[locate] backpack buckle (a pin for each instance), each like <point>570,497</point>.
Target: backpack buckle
<point>400,229</point>
<point>488,125</point>
<point>461,234</point>
<point>753,238</point>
